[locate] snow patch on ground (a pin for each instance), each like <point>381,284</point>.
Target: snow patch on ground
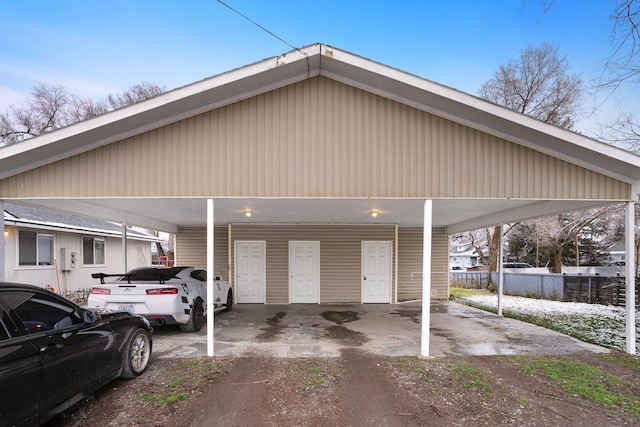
<point>601,324</point>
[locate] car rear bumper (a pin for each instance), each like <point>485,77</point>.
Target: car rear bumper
<point>161,319</point>
<point>159,310</point>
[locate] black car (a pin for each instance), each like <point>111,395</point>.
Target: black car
<point>54,353</point>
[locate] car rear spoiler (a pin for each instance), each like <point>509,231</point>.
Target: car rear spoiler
<point>147,277</point>
<point>101,276</point>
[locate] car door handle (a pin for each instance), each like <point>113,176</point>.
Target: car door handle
<point>51,347</point>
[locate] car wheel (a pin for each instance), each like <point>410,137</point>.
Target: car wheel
<point>196,318</point>
<point>229,304</point>
<point>135,358</point>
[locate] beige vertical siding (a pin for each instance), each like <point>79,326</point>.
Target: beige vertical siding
<point>439,264</point>
<point>410,263</point>
<point>340,256</point>
<point>317,138</point>
<point>191,249</point>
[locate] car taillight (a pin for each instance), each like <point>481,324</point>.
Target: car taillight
<point>100,291</point>
<point>162,291</point>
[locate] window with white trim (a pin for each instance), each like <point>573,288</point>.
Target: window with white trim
<point>92,250</point>
<point>35,248</point>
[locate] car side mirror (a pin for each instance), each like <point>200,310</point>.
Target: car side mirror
<point>89,316</point>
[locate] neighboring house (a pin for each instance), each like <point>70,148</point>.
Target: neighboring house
<point>60,251</point>
<point>617,253</point>
<point>318,176</point>
<point>463,255</point>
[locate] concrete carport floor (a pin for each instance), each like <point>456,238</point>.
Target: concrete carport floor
<point>312,330</point>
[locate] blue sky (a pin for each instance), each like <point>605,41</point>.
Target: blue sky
<point>95,48</point>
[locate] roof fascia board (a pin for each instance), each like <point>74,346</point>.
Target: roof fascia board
<point>479,114</point>
<point>524,213</point>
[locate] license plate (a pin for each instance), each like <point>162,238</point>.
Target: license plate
<point>130,308</point>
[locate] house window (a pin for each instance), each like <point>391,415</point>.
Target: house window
<point>35,248</point>
<point>92,250</point>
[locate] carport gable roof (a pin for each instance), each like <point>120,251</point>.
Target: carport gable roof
<point>298,65</point>
<point>457,214</point>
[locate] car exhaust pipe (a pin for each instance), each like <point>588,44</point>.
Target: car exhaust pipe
<point>160,322</point>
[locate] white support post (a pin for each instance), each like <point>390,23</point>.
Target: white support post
<point>630,278</point>
<point>124,248</point>
<point>426,277</point>
<point>2,251</point>
<point>210,276</point>
<point>500,270</point>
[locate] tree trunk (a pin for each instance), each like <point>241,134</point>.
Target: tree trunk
<point>557,258</point>
<point>494,248</point>
<point>160,249</point>
<point>494,245</point>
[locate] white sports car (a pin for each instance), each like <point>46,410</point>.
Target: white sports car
<point>164,295</point>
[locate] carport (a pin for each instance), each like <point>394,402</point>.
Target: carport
<point>320,137</point>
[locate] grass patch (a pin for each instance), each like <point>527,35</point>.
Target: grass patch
<point>587,382</point>
<point>189,374</point>
<point>471,376</point>
<point>175,383</point>
<point>626,361</point>
<point>164,398</point>
<point>595,325</point>
<point>317,378</point>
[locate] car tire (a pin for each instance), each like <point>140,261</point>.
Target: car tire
<point>229,304</point>
<point>137,352</point>
<point>196,318</point>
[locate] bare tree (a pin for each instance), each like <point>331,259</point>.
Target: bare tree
<point>537,84</point>
<point>493,239</point>
<point>563,230</point>
<point>477,241</point>
<point>53,107</point>
<point>615,224</point>
<point>623,132</point>
<point>623,65</point>
<point>48,108</point>
<point>135,93</point>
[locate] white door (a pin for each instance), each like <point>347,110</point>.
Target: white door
<point>250,272</point>
<point>304,272</point>
<point>376,272</point>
